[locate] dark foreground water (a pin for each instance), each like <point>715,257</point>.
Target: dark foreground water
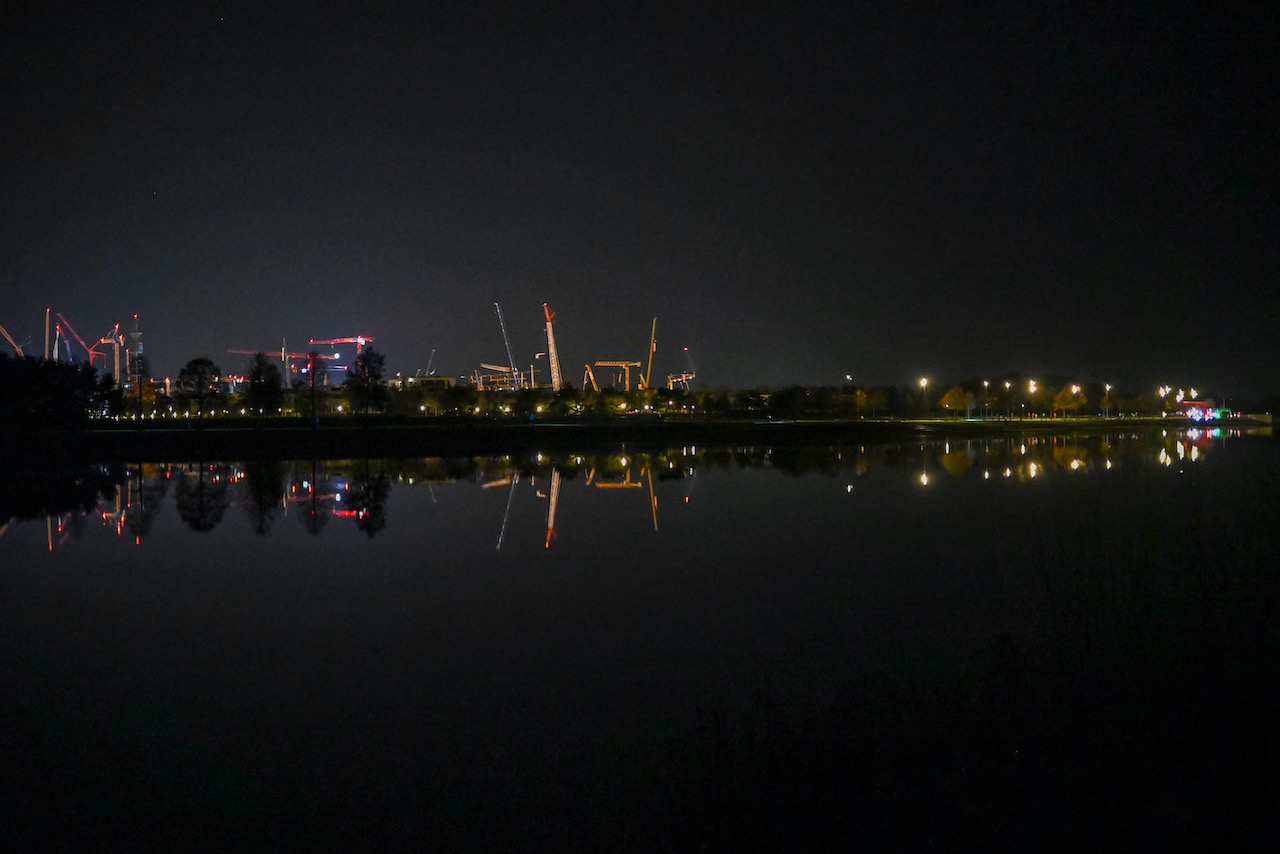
<point>1006,642</point>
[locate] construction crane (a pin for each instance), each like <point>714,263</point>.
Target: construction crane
<point>285,355</point>
<point>626,370</point>
<point>358,340</point>
<point>653,346</point>
<point>9,338</point>
<point>553,358</point>
<point>589,377</point>
<point>92,352</point>
<point>115,339</point>
<point>511,360</point>
<point>682,378</point>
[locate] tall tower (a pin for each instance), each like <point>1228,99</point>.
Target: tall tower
<point>137,350</point>
<point>552,357</point>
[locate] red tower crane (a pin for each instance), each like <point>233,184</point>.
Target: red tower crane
<point>358,340</point>
<point>92,352</point>
<point>285,355</point>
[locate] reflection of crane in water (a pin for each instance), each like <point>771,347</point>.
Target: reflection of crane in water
<point>646,471</point>
<point>551,505</point>
<point>552,495</point>
<point>515,481</point>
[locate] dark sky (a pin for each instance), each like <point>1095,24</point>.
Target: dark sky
<point>797,191</point>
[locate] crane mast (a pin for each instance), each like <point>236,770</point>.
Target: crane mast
<point>553,358</point>
<point>114,338</point>
<point>9,338</point>
<point>653,347</point>
<point>511,360</point>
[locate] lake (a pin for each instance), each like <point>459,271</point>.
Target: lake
<point>1007,640</point>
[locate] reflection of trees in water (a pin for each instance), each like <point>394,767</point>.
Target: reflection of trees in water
<point>314,514</point>
<point>369,497</point>
<point>202,495</point>
<point>263,485</point>
<point>146,498</point>
<point>30,493</point>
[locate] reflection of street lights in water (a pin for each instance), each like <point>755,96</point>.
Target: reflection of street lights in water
<point>924,473</point>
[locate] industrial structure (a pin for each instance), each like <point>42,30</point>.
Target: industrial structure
<point>288,360</point>
<point>119,351</point>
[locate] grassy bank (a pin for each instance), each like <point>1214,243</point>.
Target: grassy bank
<point>346,437</point>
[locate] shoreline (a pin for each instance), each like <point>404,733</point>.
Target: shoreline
<point>229,439</point>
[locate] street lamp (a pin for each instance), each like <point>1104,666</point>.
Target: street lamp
<point>1106,401</point>
<point>1008,401</point>
<point>1031,390</point>
<point>986,399</point>
<point>1075,396</point>
<point>924,393</point>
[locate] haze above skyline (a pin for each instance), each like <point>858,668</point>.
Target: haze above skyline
<point>796,191</point>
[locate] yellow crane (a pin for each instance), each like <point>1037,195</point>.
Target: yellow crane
<point>626,370</point>
<point>9,338</point>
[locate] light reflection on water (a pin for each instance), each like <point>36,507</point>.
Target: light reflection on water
<point>357,492</point>
<point>993,642</point>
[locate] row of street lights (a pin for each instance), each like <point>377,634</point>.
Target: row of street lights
<point>1163,392</point>
<point>1031,390</point>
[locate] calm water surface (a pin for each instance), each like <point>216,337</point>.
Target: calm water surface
<point>1008,641</point>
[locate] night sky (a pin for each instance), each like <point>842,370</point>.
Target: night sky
<point>797,191</point>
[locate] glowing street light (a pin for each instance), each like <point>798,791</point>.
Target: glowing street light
<point>986,399</point>
<point>1008,400</point>
<point>1106,401</point>
<point>924,393</point>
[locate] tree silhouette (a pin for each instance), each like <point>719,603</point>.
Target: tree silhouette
<point>1070,397</point>
<point>198,377</point>
<point>364,380</point>
<point>264,394</point>
<point>957,399</point>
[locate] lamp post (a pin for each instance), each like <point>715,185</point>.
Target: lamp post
<point>1106,401</point>
<point>924,394</point>
<point>1008,401</point>
<point>986,399</point>
<point>1031,390</point>
<point>1075,397</point>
